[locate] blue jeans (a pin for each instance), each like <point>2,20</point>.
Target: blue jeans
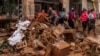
<point>55,20</point>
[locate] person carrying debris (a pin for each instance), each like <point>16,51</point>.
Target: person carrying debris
<point>42,16</point>
<point>84,19</point>
<point>91,22</point>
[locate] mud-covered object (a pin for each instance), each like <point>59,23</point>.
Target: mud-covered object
<point>23,24</point>
<point>18,35</point>
<point>79,37</point>
<point>38,43</point>
<point>61,48</point>
<point>97,30</point>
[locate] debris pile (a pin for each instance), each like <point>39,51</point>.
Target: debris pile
<point>47,40</point>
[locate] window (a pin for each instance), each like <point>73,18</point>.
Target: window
<point>9,6</point>
<point>37,8</point>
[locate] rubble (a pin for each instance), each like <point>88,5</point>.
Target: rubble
<point>27,50</point>
<point>60,48</point>
<point>70,35</point>
<point>43,39</point>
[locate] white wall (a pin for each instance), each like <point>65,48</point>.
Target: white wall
<point>66,5</point>
<point>84,4</point>
<point>99,5</point>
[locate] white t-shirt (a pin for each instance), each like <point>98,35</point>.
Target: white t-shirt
<point>91,16</point>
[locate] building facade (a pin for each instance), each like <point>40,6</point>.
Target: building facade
<point>37,5</point>
<point>30,8</point>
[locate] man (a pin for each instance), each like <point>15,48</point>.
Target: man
<point>91,22</point>
<point>42,16</point>
<point>71,18</point>
<point>51,14</point>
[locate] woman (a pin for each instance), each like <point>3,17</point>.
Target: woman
<point>91,22</point>
<point>71,18</point>
<point>84,19</point>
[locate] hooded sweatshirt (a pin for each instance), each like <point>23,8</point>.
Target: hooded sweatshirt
<point>84,16</point>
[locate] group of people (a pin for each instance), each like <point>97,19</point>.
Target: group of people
<point>88,18</point>
<point>52,16</point>
<point>55,17</point>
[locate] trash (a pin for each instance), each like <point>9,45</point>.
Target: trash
<point>57,31</point>
<point>44,39</point>
<point>28,50</point>
<point>18,35</point>
<point>79,37</point>
<point>22,44</point>
<point>61,49</point>
<point>70,35</point>
<point>78,54</point>
<point>41,52</point>
<point>38,43</point>
<point>1,41</point>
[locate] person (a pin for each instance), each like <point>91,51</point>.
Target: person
<point>71,18</point>
<point>42,16</point>
<point>56,17</point>
<point>95,14</point>
<point>62,16</point>
<point>51,14</point>
<point>84,19</point>
<point>91,22</point>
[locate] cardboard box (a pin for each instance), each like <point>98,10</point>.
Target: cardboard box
<point>61,49</point>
